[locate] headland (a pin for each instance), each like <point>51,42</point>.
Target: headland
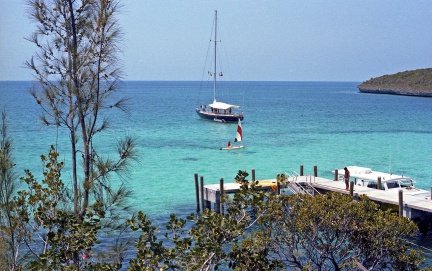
<point>409,83</point>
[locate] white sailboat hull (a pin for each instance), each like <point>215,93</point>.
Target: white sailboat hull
<point>232,148</point>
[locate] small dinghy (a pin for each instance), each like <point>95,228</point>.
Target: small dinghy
<point>238,138</point>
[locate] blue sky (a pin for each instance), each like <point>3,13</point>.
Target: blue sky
<point>279,40</point>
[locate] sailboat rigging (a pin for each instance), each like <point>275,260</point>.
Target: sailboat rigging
<point>218,111</point>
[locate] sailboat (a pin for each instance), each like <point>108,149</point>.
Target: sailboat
<point>218,111</point>
<point>238,138</point>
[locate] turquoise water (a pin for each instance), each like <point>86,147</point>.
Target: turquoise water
<point>287,124</point>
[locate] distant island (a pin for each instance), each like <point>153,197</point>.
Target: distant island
<point>411,83</point>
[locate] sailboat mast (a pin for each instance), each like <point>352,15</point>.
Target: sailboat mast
<point>215,43</point>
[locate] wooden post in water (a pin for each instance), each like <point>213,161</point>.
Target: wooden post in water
<point>400,202</point>
<point>351,189</point>
<point>217,203</point>
<point>197,193</point>
<point>336,175</point>
<point>221,189</point>
<point>431,193</point>
<point>315,171</point>
<point>202,192</point>
<point>301,170</point>
<point>277,187</point>
<point>253,175</point>
<point>379,183</point>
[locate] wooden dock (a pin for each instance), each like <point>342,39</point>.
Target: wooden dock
<point>211,193</point>
<point>412,205</point>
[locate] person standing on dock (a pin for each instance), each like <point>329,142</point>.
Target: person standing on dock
<point>346,178</point>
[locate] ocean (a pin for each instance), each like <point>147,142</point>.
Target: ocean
<point>286,124</point>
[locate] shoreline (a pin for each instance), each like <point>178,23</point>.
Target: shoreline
<point>415,93</point>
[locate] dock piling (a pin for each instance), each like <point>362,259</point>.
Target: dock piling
<point>315,171</point>
<point>379,183</point>
<point>197,192</point>
<point>221,193</point>
<point>202,192</point>
<point>253,175</point>
<point>278,188</point>
<point>400,202</point>
<point>336,177</point>
<point>351,189</point>
<point>301,170</point>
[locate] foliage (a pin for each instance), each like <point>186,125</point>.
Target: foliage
<point>265,231</point>
<point>78,73</point>
<point>333,232</point>
<point>206,245</point>
<point>11,238</point>
<point>241,177</point>
<point>67,241</point>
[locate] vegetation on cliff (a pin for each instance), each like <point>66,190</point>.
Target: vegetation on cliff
<point>416,82</point>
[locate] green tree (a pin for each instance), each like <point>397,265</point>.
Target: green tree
<point>11,236</point>
<point>78,72</point>
<point>43,209</point>
<point>212,239</point>
<point>264,231</point>
<point>334,232</point>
